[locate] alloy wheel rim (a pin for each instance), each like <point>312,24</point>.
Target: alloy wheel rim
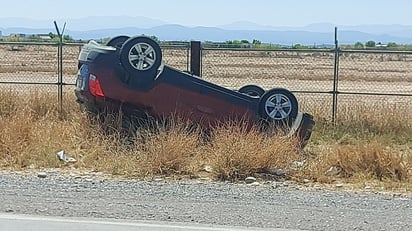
<point>142,56</point>
<point>278,106</point>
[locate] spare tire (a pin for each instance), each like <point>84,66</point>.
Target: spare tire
<point>117,41</point>
<point>252,90</point>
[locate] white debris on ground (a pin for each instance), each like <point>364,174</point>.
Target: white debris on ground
<point>250,180</point>
<point>64,157</point>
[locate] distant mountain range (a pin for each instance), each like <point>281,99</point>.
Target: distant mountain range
<point>318,34</point>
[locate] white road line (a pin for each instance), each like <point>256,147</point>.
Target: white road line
<point>14,222</point>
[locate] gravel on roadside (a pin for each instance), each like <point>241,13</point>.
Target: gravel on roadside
<point>257,204</point>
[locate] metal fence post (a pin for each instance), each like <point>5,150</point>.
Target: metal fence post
<point>195,58</point>
<point>335,79</point>
<point>188,58</point>
<point>60,67</point>
<point>60,81</point>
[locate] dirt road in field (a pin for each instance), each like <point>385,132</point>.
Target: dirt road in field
<point>268,204</point>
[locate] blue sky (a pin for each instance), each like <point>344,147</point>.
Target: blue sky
<point>218,12</point>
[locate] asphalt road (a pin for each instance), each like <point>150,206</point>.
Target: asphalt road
<point>39,223</point>
<point>267,205</point>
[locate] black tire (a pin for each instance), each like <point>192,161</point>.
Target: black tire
<point>147,57</point>
<point>117,41</point>
<point>278,105</point>
<point>252,90</point>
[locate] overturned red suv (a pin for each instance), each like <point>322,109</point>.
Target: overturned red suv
<point>128,74</point>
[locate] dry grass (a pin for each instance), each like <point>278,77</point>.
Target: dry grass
<point>33,132</point>
<point>370,143</point>
<point>359,161</point>
<point>236,152</point>
<point>363,146</point>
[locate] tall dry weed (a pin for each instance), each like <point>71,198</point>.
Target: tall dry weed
<point>236,152</point>
<point>169,147</point>
<point>359,161</point>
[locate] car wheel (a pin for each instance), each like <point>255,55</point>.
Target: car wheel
<point>117,41</point>
<point>252,90</point>
<point>141,56</point>
<point>279,105</point>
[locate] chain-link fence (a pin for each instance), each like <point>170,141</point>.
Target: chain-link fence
<point>362,77</point>
<point>28,65</point>
<point>379,78</point>
<point>37,63</point>
<point>309,73</point>
<point>70,64</point>
<point>177,56</point>
<point>316,76</point>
